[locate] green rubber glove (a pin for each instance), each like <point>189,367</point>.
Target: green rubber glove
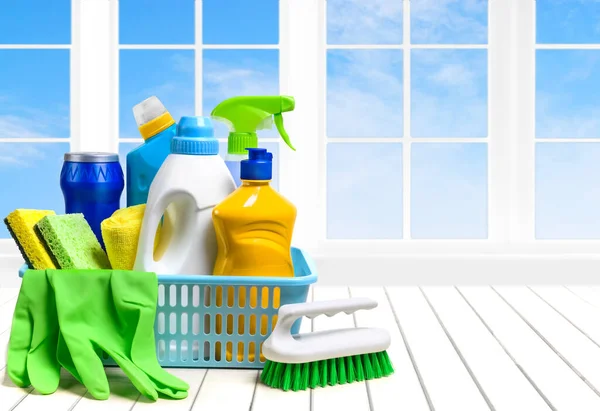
<point>111,311</point>
<point>31,356</point>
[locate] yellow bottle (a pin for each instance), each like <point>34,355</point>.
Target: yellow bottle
<point>254,227</point>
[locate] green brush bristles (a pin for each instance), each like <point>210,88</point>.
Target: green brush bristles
<point>343,370</point>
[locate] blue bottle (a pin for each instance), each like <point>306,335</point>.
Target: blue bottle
<point>92,184</point>
<point>157,127</point>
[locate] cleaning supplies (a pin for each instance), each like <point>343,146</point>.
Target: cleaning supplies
<point>157,127</point>
<point>92,184</point>
<point>20,224</point>
<point>327,357</point>
<point>254,225</point>
<point>193,179</point>
<point>31,355</point>
<point>70,241</point>
<point>112,311</point>
<point>245,115</point>
<point>254,229</point>
<point>121,234</point>
<point>69,317</point>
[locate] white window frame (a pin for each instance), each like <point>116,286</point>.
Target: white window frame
<point>511,254</point>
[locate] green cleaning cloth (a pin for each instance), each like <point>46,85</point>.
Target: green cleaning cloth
<point>31,356</point>
<point>111,311</point>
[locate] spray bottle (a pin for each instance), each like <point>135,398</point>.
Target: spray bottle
<point>245,115</point>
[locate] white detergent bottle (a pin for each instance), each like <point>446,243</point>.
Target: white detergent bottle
<point>191,182</point>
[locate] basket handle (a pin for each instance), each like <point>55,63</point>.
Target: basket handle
<point>289,313</point>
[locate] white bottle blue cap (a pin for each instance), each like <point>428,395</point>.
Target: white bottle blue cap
<point>195,136</point>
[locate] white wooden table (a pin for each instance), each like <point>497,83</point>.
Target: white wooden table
<point>453,348</point>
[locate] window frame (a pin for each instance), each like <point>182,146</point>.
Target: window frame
<point>302,53</point>
<point>511,146</point>
<point>500,214</point>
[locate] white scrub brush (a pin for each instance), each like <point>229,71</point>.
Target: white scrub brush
<point>326,357</point>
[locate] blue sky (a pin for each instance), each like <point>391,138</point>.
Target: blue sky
<point>448,99</point>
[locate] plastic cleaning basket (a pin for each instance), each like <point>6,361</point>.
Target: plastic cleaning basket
<point>188,312</point>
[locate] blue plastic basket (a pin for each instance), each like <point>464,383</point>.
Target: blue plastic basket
<point>188,311</point>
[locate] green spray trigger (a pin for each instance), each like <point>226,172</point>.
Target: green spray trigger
<point>246,114</point>
<point>279,124</point>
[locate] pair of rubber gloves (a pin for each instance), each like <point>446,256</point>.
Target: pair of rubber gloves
<point>68,317</point>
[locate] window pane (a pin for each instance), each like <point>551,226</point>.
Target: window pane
<point>168,74</point>
<point>240,22</point>
<point>364,93</point>
<point>449,93</point>
<point>367,22</point>
<point>35,22</point>
<point>230,73</point>
<point>30,176</point>
<point>560,21</point>
<point>566,98</point>
<point>449,22</point>
<point>364,191</point>
<point>567,194</point>
<point>449,191</point>
<point>156,21</point>
<point>34,93</point>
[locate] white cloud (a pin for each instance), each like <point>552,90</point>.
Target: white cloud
<point>449,21</point>
<point>182,62</point>
<point>12,126</point>
<point>248,77</point>
<point>587,64</point>
<point>22,155</point>
<point>454,74</point>
<point>557,118</point>
<point>30,122</point>
<point>364,94</point>
<point>364,22</point>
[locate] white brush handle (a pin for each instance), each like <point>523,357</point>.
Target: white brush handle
<point>289,313</point>
<point>281,346</point>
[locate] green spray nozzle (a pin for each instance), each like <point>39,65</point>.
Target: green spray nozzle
<point>246,114</point>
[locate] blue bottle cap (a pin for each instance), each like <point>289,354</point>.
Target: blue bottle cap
<point>195,136</point>
<point>258,166</point>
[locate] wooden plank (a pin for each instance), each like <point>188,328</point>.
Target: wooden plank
<point>4,337</point>
<point>345,397</point>
<point>226,390</point>
<point>578,351</point>
<point>586,293</point>
<point>193,376</point>
<point>502,381</point>
<point>556,381</point>
<point>122,394</point>
<point>271,399</point>
<point>448,383</point>
<point>10,394</point>
<point>7,294</point>
<point>401,390</point>
<point>584,316</point>
<point>69,393</point>
<point>6,314</point>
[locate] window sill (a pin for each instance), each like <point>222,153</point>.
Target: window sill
<point>469,263</point>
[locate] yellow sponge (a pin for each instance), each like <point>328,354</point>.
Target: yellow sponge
<point>121,232</point>
<point>21,223</point>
